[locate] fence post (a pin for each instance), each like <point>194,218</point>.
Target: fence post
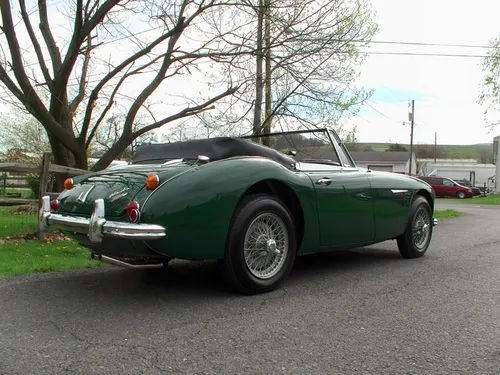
<point>42,189</point>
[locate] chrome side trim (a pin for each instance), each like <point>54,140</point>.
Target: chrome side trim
<point>399,191</point>
<point>121,263</point>
<point>97,227</point>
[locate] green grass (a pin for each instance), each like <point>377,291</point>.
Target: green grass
<point>22,254</point>
<point>447,214</point>
<point>19,257</point>
<point>25,193</point>
<point>489,200</point>
<point>11,225</point>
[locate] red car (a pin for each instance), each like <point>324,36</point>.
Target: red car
<point>446,187</point>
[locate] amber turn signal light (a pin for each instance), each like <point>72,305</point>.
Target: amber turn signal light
<point>152,182</point>
<point>68,183</point>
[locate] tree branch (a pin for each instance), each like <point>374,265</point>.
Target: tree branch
<point>95,92</point>
<point>31,100</point>
<point>186,112</point>
<point>83,80</point>
<point>36,45</point>
<point>54,52</point>
<point>81,31</point>
<point>106,109</point>
<point>4,77</point>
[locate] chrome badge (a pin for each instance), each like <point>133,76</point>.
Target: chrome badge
<point>118,194</point>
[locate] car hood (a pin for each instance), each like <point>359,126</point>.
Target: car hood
<point>118,187</point>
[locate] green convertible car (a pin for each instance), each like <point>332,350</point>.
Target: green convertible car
<point>253,204</point>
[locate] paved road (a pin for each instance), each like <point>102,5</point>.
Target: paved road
<point>362,312</point>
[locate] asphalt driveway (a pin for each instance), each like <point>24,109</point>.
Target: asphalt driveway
<point>366,311</point>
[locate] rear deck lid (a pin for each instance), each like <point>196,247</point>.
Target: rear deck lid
<point>117,187</point>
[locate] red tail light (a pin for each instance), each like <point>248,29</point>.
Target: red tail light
<point>54,205</point>
<point>133,211</point>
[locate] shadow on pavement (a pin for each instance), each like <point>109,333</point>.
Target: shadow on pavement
<point>192,280</point>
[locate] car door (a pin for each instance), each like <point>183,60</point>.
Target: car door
<point>449,188</point>
<point>344,204</point>
<point>437,185</point>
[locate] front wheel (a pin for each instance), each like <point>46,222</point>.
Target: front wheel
<point>261,245</point>
<point>460,195</point>
<point>415,240</point>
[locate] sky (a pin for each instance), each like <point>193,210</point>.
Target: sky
<point>445,89</point>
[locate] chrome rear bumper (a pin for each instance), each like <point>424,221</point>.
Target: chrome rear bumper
<point>97,227</point>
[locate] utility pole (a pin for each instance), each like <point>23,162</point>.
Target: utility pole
<point>412,119</point>
<point>435,146</point>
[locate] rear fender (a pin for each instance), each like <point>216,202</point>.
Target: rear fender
<point>196,207</point>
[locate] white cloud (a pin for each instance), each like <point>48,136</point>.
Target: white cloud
<point>445,88</point>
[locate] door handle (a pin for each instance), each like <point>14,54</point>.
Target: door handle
<point>324,181</point>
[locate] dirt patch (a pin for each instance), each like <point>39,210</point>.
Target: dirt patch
<point>25,209</point>
<point>49,237</point>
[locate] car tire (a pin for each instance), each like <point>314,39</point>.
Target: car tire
<point>414,242</point>
<point>261,245</point>
<point>460,195</point>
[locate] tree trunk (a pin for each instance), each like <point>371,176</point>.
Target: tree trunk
<point>63,156</point>
<point>257,114</point>
<point>114,152</point>
<point>267,32</point>
<point>59,109</point>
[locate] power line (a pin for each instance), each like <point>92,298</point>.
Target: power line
<point>376,110</point>
<point>429,44</point>
<point>421,54</point>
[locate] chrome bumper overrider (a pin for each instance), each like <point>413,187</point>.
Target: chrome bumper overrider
<point>97,227</point>
<point>434,222</point>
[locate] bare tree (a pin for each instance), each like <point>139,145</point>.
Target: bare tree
<point>23,133</point>
<point>489,95</point>
<point>82,86</point>
<point>306,60</point>
<point>193,54</point>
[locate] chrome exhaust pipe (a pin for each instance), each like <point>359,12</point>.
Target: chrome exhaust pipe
<point>121,263</point>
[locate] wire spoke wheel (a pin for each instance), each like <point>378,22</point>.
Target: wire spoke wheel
<point>415,240</point>
<point>266,245</point>
<point>261,245</point>
<point>421,228</point>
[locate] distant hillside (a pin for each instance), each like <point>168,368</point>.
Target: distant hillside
<point>483,152</point>
<point>483,144</point>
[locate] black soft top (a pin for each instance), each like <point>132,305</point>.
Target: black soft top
<point>215,148</point>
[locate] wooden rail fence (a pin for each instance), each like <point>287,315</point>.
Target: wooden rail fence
<point>44,170</point>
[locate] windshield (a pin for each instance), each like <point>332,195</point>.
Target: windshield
<point>312,146</point>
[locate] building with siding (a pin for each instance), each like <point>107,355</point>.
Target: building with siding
<point>388,161</point>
